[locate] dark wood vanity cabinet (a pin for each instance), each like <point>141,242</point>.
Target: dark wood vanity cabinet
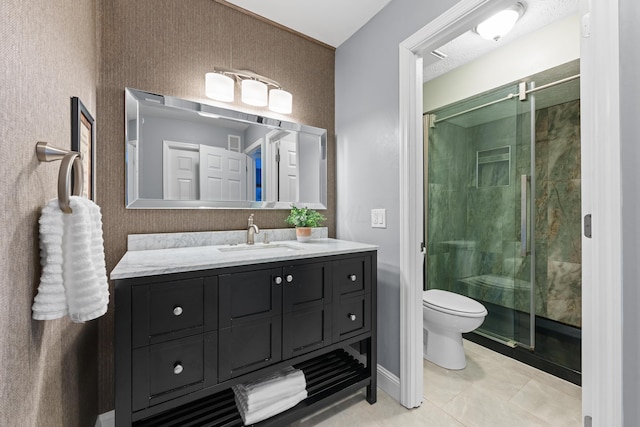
<point>182,340</point>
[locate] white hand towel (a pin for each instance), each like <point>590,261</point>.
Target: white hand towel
<point>74,277</point>
<point>252,417</point>
<point>280,383</point>
<point>51,300</point>
<point>251,403</point>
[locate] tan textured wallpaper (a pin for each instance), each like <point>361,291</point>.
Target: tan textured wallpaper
<point>48,369</point>
<point>167,46</point>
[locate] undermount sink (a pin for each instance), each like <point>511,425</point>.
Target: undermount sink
<point>261,247</point>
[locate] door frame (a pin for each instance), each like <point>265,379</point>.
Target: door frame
<point>601,255</point>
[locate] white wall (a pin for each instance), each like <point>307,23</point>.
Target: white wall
<point>368,149</point>
<point>630,170</point>
<point>550,46</point>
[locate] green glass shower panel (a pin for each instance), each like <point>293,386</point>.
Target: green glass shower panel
<point>477,151</point>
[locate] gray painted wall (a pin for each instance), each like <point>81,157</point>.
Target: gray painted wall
<point>368,149</point>
<point>630,158</point>
<point>155,130</point>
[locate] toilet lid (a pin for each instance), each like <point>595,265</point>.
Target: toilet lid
<point>452,302</point>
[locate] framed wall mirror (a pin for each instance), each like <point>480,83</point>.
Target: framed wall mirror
<point>182,154</point>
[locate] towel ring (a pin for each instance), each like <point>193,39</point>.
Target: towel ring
<point>71,161</point>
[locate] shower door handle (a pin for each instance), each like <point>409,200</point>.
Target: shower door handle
<point>524,192</point>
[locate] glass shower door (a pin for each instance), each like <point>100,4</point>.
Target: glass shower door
<point>477,223</point>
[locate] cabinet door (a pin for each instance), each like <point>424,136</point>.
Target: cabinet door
<point>306,308</point>
<point>250,321</point>
<point>305,286</point>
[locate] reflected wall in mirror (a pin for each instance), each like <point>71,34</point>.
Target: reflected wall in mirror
<point>182,154</point>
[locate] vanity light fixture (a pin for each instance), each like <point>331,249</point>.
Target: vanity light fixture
<point>501,23</point>
<point>220,85</point>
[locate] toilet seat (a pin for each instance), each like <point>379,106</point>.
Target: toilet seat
<point>452,303</point>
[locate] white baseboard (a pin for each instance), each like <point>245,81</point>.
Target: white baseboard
<point>108,419</point>
<point>389,383</point>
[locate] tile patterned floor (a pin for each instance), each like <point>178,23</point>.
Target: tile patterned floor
<point>493,391</point>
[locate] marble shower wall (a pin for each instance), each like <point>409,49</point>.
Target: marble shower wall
<point>449,178</point>
<point>558,213</point>
<point>473,231</point>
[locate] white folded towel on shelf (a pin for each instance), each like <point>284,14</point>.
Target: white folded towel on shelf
<point>268,396</point>
<point>281,405</point>
<point>275,386</point>
<point>74,277</point>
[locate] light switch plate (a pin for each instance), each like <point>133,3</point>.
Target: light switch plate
<point>378,218</point>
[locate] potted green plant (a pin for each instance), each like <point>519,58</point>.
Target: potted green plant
<point>304,219</point>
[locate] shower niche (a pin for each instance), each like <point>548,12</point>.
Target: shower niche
<point>493,166</point>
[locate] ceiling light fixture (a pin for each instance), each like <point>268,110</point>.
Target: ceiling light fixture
<point>220,85</point>
<point>501,23</point>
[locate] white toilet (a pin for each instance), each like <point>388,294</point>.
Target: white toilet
<point>446,316</point>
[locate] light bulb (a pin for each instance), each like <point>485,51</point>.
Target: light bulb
<point>500,23</point>
<point>254,93</point>
<point>219,87</point>
<point>280,101</point>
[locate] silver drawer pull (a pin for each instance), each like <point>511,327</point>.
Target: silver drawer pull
<point>177,368</point>
<point>289,278</point>
<point>278,280</point>
<point>177,310</point>
<point>352,317</point>
<point>352,277</point>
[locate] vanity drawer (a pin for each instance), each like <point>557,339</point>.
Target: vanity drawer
<point>167,310</point>
<point>351,276</point>
<point>164,371</point>
<point>352,316</point>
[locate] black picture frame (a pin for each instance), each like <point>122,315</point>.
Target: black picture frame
<point>83,140</point>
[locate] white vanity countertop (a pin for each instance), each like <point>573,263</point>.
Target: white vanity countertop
<point>151,262</point>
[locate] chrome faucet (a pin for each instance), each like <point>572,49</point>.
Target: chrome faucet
<point>251,230</point>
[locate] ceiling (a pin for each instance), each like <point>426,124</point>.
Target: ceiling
<point>329,21</point>
<point>334,21</point>
<point>469,46</point>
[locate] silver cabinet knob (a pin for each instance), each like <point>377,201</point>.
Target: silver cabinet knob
<point>352,317</point>
<point>177,310</point>
<point>278,280</point>
<point>177,368</point>
<point>289,278</point>
<point>352,277</point>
